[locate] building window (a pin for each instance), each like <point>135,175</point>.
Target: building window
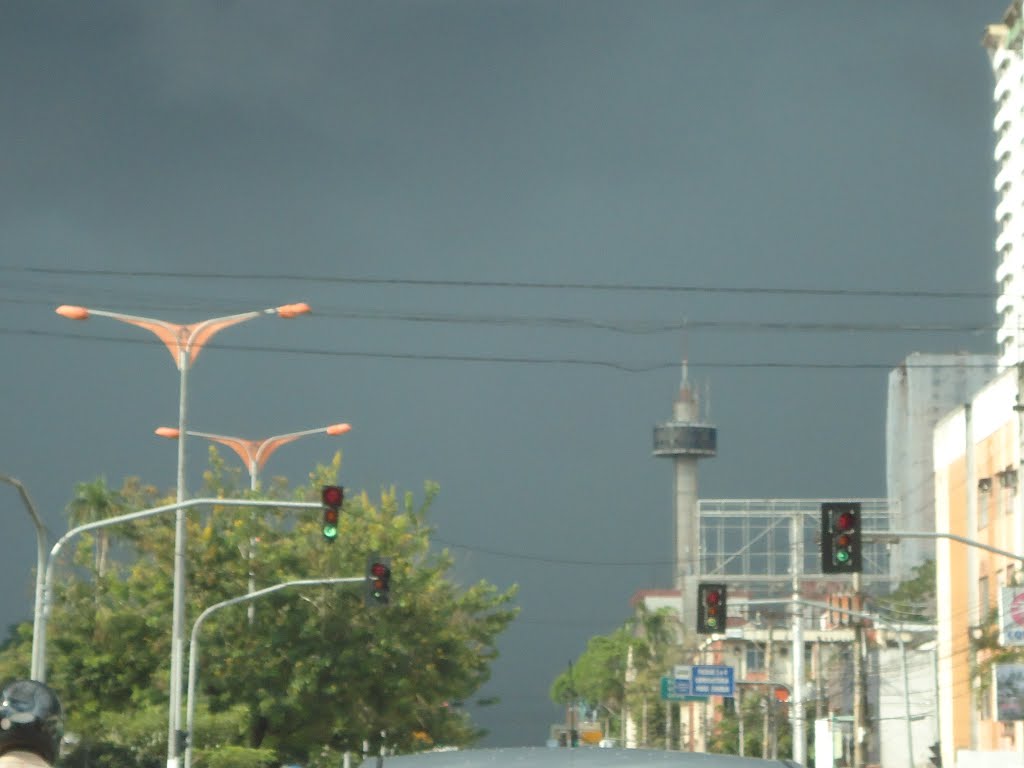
<point>755,656</point>
<point>1008,479</point>
<point>984,494</point>
<point>983,606</point>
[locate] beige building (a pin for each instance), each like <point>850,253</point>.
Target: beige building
<point>977,451</point>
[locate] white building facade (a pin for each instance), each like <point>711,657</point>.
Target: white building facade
<point>922,390</point>
<point>1003,43</point>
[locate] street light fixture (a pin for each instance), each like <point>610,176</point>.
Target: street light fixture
<point>184,342</point>
<point>255,454</point>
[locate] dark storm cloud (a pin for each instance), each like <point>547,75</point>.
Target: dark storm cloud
<point>839,145</point>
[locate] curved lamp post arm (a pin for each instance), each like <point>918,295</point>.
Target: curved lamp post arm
<point>184,342</point>
<point>193,646</point>
<point>47,600</point>
<point>41,536</point>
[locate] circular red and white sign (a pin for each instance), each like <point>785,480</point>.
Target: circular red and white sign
<point>1017,609</point>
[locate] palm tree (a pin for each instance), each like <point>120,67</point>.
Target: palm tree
<point>95,501</point>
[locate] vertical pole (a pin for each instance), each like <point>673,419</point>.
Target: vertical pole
<point>38,665</point>
<point>739,714</point>
<point>254,484</point>
<point>858,680</point>
<point>668,726</point>
<point>819,683</point>
<point>766,720</point>
<point>178,611</point>
<point>935,688</point>
<point>906,697</point>
<point>796,707</point>
<point>973,619</point>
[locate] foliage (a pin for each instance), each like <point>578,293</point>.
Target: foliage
<point>990,652</point>
<point>913,600</point>
<point>314,673</point>
<point>623,669</point>
<point>757,710</point>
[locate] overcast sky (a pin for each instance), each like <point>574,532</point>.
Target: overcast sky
<point>478,198</point>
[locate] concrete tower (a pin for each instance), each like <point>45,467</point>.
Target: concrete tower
<point>686,439</point>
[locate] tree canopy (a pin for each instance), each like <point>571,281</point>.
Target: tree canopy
<point>314,672</point>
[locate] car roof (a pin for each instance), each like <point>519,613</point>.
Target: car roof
<point>582,757</point>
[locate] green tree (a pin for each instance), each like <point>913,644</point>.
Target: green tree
<point>316,673</point>
<point>725,736</point>
<point>913,600</point>
<point>598,681</point>
<point>94,501</point>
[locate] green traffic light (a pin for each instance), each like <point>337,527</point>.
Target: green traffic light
<point>842,556</point>
<point>330,532</point>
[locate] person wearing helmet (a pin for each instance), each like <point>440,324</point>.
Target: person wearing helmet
<point>31,725</point>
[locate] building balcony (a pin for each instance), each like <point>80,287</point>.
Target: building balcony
<point>1006,171</point>
<point>1008,234</point>
<point>1003,302</point>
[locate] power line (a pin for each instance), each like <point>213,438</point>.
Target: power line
<point>511,284</point>
<point>510,359</point>
<point>588,323</point>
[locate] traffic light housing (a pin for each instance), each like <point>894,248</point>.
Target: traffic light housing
<point>841,537</point>
<point>331,497</point>
<point>378,580</point>
<point>711,608</point>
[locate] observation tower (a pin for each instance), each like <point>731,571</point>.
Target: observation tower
<point>686,439</point>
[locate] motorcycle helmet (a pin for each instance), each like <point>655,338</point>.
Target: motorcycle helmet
<point>31,719</point>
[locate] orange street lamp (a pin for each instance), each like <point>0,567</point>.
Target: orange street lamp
<point>256,452</point>
<point>184,342</point>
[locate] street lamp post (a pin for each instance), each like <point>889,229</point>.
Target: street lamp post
<point>255,454</point>
<point>193,648</point>
<point>184,342</point>
<point>36,670</point>
<point>51,560</point>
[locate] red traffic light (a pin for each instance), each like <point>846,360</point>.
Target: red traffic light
<point>841,534</point>
<point>711,608</point>
<point>378,580</point>
<point>332,496</point>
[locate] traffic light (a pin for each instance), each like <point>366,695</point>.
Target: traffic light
<point>840,537</point>
<point>332,497</point>
<point>378,580</point>
<point>711,608</point>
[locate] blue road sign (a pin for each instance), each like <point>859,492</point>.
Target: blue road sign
<point>713,680</point>
<point>678,689</point>
<point>674,688</point>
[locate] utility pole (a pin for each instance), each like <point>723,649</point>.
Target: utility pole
<point>797,652</point>
<point>858,680</point>
<point>971,489</point>
<point>765,731</point>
